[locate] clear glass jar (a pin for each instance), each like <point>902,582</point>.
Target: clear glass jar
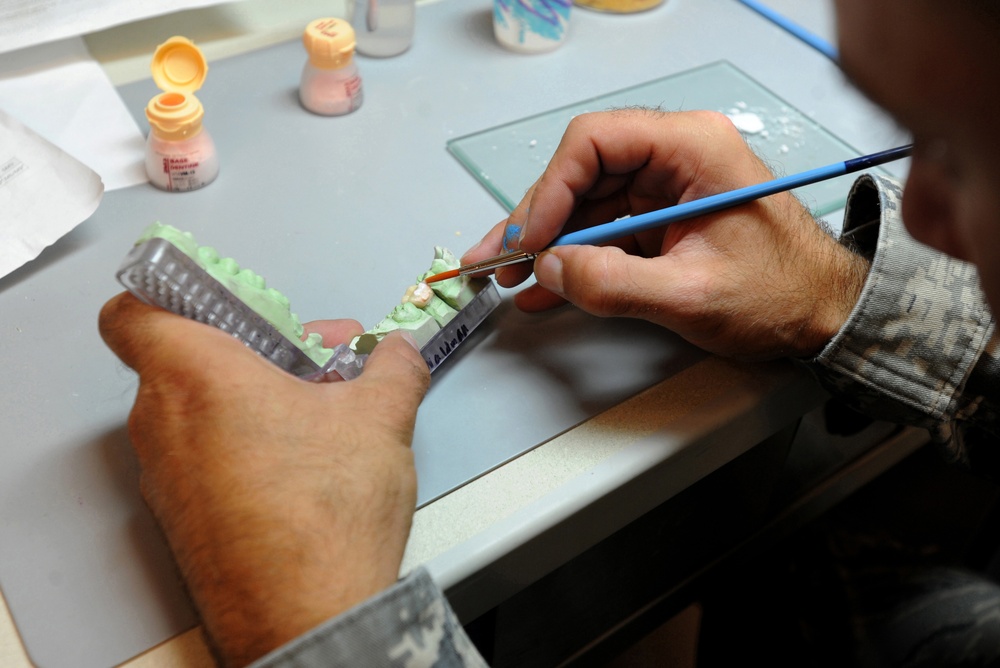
<point>382,27</point>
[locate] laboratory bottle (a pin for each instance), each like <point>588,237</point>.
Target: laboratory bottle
<point>180,153</point>
<point>330,83</point>
<point>531,26</point>
<point>382,27</point>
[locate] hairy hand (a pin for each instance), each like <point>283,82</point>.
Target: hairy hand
<point>285,502</point>
<point>758,281</point>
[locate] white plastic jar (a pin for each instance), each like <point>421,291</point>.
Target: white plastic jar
<point>531,26</point>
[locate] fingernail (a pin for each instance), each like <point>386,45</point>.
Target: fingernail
<point>511,238</point>
<point>549,272</point>
<point>410,339</point>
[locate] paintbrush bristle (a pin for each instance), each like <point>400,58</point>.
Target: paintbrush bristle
<point>444,275</point>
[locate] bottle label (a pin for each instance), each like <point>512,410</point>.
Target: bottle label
<point>180,166</point>
<point>181,172</point>
<point>353,88</point>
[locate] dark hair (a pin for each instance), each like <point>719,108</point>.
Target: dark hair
<point>988,9</point>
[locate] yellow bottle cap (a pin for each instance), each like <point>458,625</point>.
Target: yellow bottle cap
<point>179,66</point>
<point>329,43</point>
<point>175,115</point>
<point>179,69</point>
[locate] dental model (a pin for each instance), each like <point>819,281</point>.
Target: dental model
<point>167,268</point>
<point>429,312</point>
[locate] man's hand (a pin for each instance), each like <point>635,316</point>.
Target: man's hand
<point>285,502</point>
<point>758,281</point>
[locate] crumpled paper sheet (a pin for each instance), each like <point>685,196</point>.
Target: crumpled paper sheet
<point>44,193</point>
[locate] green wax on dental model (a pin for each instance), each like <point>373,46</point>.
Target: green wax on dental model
<point>365,343</point>
<point>456,292</point>
<point>447,299</point>
<point>416,321</point>
<point>440,310</point>
<point>406,317</point>
<point>248,287</point>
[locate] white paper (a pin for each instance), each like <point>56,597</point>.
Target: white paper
<point>29,22</point>
<point>64,95</point>
<point>44,193</point>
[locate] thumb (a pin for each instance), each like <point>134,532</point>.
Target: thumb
<point>396,365</point>
<point>145,336</point>
<point>605,280</point>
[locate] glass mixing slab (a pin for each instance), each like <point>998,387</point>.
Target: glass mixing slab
<point>508,158</point>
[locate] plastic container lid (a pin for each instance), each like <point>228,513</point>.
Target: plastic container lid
<point>179,66</point>
<point>329,43</point>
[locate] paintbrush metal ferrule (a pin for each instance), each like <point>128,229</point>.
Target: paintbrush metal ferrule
<point>489,264</point>
<point>492,263</point>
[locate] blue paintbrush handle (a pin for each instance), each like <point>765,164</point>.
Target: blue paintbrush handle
<point>781,21</point>
<point>646,221</point>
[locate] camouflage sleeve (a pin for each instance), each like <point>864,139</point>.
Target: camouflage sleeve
<point>919,347</point>
<point>410,624</point>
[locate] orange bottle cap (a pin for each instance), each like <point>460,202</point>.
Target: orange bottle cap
<point>179,66</point>
<point>329,43</point>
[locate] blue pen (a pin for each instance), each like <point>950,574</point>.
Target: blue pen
<point>646,221</point>
<point>781,21</point>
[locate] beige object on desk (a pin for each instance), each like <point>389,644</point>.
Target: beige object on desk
<point>12,654</point>
<point>619,6</point>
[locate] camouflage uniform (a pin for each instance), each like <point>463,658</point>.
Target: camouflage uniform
<point>409,625</point>
<point>918,349</point>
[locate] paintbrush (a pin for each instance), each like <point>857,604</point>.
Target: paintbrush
<point>813,40</point>
<point>646,221</point>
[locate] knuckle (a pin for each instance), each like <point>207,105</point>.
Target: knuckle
<point>601,287</point>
